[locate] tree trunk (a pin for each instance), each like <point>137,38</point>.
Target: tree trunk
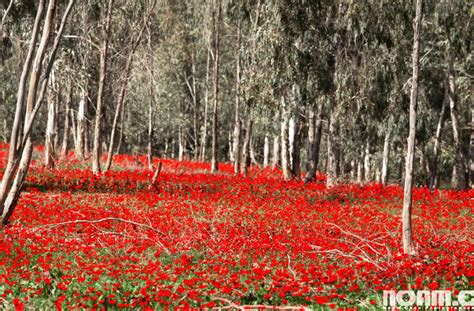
<point>297,128</point>
<point>236,142</point>
<point>367,168</point>
<point>407,234</point>
<point>181,145</point>
<point>150,130</point>
<point>196,104</point>
<point>67,113</point>
<point>276,151</point>
<point>57,103</point>
<point>123,91</point>
<point>216,16</point>
<point>202,156</point>
<point>100,94</point>
<point>434,178</point>
<point>459,181</point>
<point>246,147</point>
<point>385,157</point>
<point>81,127</point>
<point>33,103</point>
<point>333,152</point>
<point>285,152</point>
<point>253,156</point>
<point>314,142</point>
<point>266,151</point>
<point>50,130</point>
<point>15,133</point>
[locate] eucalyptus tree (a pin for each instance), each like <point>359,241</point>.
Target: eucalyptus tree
<point>37,72</point>
<point>407,234</point>
<point>106,17</point>
<point>137,32</point>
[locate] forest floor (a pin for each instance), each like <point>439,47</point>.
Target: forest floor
<point>194,239</point>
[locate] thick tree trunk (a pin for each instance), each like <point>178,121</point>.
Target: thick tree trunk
<point>459,170</point>
<point>67,114</point>
<point>216,14</point>
<point>100,94</point>
<point>407,234</point>
<point>236,140</point>
<point>314,142</point>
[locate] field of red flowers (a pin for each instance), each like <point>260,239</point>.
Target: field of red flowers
<point>195,239</point>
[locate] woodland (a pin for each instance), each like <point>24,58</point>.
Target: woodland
<point>234,153</point>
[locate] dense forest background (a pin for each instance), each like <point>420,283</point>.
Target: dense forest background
<point>303,85</point>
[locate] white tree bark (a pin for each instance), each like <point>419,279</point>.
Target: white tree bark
<point>407,233</point>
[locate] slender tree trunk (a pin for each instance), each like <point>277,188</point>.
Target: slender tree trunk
<point>266,151</point>
<point>181,144</point>
<point>385,157</point>
<point>122,128</point>
<point>276,151</point>
<point>67,113</point>
<point>246,146</point>
<point>81,127</point>
<point>285,152</point>
<point>73,127</point>
<point>100,94</point>
<point>333,153</point>
<point>253,156</point>
<point>216,14</point>
<point>196,104</point>
<point>50,130</point>
<point>314,142</point>
<point>367,167</point>
<point>167,147</point>
<point>57,103</point>
<point>433,183</point>
<point>202,156</point>
<point>15,136</point>
<point>123,91</point>
<point>459,170</point>
<point>236,142</point>
<point>298,98</point>
<point>407,234</point>
<point>150,130</point>
<point>33,103</point>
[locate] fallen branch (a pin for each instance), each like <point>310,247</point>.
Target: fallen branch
<point>84,221</point>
